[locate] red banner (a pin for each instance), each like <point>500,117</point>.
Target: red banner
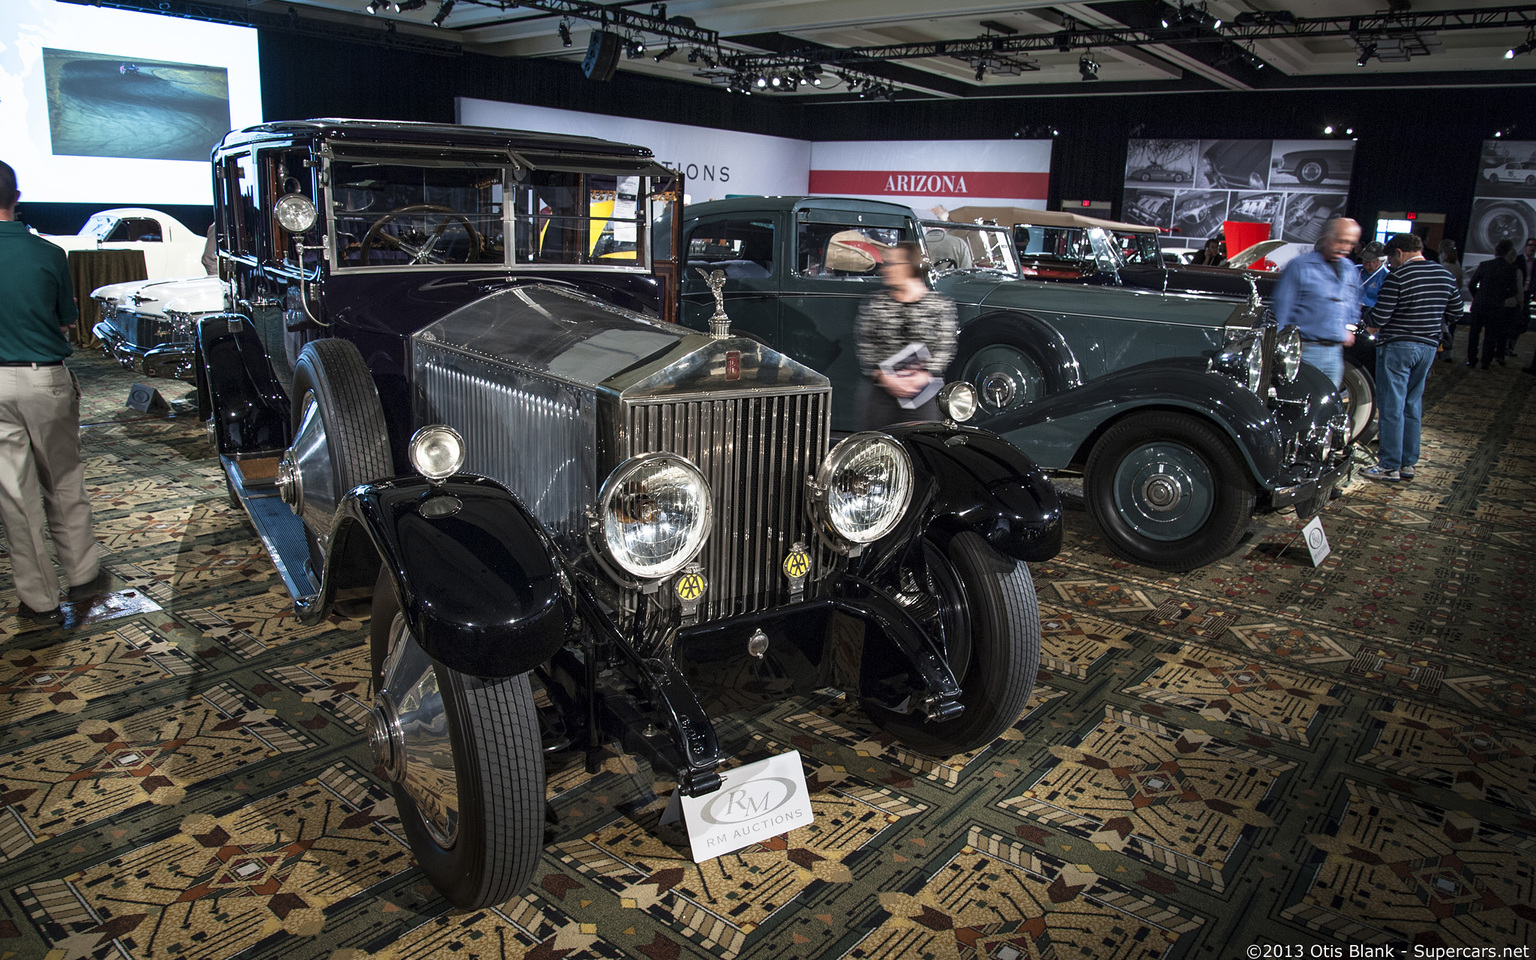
<point>932,183</point>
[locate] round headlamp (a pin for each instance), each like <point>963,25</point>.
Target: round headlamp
<point>1288,354</point>
<point>655,514</point>
<point>437,451</point>
<point>864,486</point>
<point>1243,361</point>
<point>295,212</point>
<point>958,400</point>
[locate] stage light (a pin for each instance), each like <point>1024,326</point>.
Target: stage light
<point>1366,53</point>
<point>565,33</point>
<point>443,9</point>
<point>981,70</point>
<point>670,49</point>
<point>374,6</point>
<point>1088,67</point>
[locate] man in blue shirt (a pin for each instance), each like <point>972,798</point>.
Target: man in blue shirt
<point>1319,294</point>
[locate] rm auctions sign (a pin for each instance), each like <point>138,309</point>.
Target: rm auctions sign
<point>755,802</point>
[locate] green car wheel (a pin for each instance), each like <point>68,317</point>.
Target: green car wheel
<point>1167,490</point>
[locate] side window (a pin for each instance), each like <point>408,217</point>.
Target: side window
<point>135,229</point>
<point>744,249</point>
<point>843,250</point>
<point>287,172</point>
<point>238,187</point>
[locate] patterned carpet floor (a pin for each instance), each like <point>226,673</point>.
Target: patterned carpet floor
<point>1260,758</point>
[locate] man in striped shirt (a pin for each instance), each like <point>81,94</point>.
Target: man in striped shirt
<point>1417,303</point>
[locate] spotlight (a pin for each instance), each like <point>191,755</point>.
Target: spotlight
<point>777,81</point>
<point>443,9</point>
<point>670,49</point>
<point>1524,48</point>
<point>1088,67</point>
<point>1349,131</point>
<point>565,32</point>
<point>981,70</point>
<point>635,50</point>
<point>1367,51</point>
<point>761,82</point>
<point>1328,129</point>
<point>374,6</point>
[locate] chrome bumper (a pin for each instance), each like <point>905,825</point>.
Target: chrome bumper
<point>171,362</point>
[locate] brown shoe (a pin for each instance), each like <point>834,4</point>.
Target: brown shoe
<point>94,587</point>
<point>25,612</point>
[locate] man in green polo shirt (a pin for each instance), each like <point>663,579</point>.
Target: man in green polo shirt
<point>41,473</point>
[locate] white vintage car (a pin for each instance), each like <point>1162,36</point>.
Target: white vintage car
<point>148,325</point>
<point>1515,171</point>
<point>170,248</point>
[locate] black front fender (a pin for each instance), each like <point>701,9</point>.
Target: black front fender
<point>249,407</point>
<point>965,479</point>
<point>478,580</point>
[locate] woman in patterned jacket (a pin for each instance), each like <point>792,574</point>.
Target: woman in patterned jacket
<point>906,335</point>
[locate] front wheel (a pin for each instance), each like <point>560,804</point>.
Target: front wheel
<point>1359,390</point>
<point>465,762</point>
<point>983,606</point>
<point>1311,172</point>
<point>1167,490</point>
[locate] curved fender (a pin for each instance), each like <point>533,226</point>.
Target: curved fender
<point>1046,345</point>
<point>1180,382</point>
<point>250,410</point>
<point>477,577</point>
<point>965,479</point>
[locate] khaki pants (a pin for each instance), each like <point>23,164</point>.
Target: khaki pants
<point>42,475</point>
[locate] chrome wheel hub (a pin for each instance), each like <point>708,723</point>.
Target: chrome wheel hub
<point>1162,492</point>
<point>409,735</point>
<point>999,389</point>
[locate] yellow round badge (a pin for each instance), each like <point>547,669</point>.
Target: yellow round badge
<point>797,564</point>
<point>690,586</point>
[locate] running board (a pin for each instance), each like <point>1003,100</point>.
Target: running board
<point>280,529</point>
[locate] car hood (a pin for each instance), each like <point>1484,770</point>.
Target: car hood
<point>1000,293</point>
<point>151,297</point>
<point>568,336</point>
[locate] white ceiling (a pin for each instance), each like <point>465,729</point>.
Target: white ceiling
<point>758,26</point>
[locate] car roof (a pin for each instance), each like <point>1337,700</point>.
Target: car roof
<point>776,204</point>
<point>1047,218</point>
<point>434,134</point>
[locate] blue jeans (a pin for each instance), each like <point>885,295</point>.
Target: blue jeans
<point>1401,368</point>
<point>1328,359</point>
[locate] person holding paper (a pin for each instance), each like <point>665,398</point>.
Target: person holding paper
<point>906,336</point>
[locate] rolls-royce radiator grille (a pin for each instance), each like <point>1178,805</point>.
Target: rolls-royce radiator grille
<point>531,434</point>
<point>756,452</point>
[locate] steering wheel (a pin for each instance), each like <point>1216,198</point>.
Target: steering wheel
<point>944,263</point>
<point>420,248</point>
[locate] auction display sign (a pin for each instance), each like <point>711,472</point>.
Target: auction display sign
<point>1504,202</point>
<point>1189,188</point>
<point>725,163</point>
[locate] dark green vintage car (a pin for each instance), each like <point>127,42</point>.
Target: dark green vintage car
<point>1185,414</point>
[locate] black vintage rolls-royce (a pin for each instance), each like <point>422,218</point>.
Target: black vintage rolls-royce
<point>454,379</point>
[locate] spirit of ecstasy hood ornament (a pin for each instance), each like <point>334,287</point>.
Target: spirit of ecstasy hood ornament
<point>719,324</point>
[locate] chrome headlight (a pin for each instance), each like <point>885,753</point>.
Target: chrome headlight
<point>1288,354</point>
<point>864,486</point>
<point>295,212</point>
<point>437,451</point>
<point>108,307</point>
<point>655,514</point>
<point>958,400</point>
<point>1243,361</point>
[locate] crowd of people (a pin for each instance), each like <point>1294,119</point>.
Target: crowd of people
<point>1411,306</point>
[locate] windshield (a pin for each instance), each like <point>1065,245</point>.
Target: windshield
<point>471,212</point>
<point>98,226</point>
<point>967,246</point>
